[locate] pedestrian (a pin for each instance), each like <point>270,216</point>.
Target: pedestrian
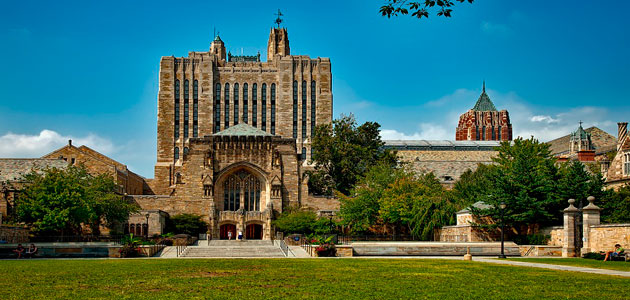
<point>240,235</point>
<point>19,250</point>
<point>230,235</point>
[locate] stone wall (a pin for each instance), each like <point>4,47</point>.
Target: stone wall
<point>604,237</point>
<point>13,234</point>
<point>554,233</point>
<point>321,203</point>
<point>466,233</point>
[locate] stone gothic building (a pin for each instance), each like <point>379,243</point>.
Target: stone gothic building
<point>234,135</point>
<point>483,122</point>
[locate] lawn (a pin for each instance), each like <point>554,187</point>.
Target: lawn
<point>296,278</point>
<point>580,262</point>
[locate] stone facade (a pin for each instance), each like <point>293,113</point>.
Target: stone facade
<point>618,173</point>
<point>483,122</point>
<point>146,222</point>
<point>97,163</point>
<point>448,160</point>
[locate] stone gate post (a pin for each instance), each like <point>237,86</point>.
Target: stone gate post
<point>590,216</point>
<point>568,236</point>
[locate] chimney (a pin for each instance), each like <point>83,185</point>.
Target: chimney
<point>70,142</point>
<point>622,134</point>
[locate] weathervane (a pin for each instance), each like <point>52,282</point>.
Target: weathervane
<point>278,19</point>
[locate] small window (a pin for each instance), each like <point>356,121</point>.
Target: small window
<point>176,153</point>
<point>626,164</point>
<point>185,150</point>
<point>303,153</point>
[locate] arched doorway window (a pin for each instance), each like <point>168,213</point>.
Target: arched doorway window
<point>241,188</point>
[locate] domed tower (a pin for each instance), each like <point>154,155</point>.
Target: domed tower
<point>483,122</point>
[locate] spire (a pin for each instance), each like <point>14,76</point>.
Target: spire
<point>484,103</point>
<point>278,19</point>
<point>484,86</point>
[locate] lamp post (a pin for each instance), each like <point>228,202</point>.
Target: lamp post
<point>331,223</point>
<point>146,232</point>
<point>502,207</point>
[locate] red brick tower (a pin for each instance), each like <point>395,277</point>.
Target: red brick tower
<point>483,122</point>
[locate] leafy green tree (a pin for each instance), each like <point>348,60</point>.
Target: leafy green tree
<point>61,201</point>
<point>360,211</point>
<point>189,224</point>
<point>576,182</point>
<point>296,221</point>
<point>525,180</point>
<point>472,186</point>
<point>419,9</point>
<point>342,154</point>
<point>616,205</point>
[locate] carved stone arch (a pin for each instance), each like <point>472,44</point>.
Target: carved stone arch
<point>245,165</point>
<point>241,187</point>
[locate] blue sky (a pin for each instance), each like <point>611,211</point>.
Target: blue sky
<point>87,70</point>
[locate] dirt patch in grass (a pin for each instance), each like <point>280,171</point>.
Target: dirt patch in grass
<point>210,274</point>
<point>273,286</point>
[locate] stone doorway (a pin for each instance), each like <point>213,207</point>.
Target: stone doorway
<point>254,232</point>
<point>225,228</point>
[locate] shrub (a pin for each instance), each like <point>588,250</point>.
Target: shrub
<point>594,255</point>
<point>296,221</point>
<point>190,224</point>
<point>531,239</point>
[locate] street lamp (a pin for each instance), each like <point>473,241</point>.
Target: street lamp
<point>502,207</point>
<point>146,232</point>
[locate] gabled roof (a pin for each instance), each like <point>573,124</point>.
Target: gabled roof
<point>601,141</point>
<point>242,130</point>
<point>14,169</point>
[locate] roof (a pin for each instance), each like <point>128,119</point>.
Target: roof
<point>14,169</point>
<point>580,134</point>
<point>484,103</point>
<point>477,205</point>
<point>600,140</point>
<point>242,129</point>
<point>441,145</point>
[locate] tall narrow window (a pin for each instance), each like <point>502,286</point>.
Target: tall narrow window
<point>313,107</point>
<point>186,107</point>
<point>303,153</point>
<point>483,133</point>
<point>176,129</point>
<point>494,134</point>
<point>195,108</point>
<point>263,107</point>
<point>226,100</point>
<point>304,110</point>
<point>255,105</point>
<point>236,103</point>
<point>217,108</point>
<point>176,153</point>
<point>295,108</point>
<point>626,164</point>
<point>245,94</point>
<point>273,108</point>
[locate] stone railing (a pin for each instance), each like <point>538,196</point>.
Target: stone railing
<point>245,215</point>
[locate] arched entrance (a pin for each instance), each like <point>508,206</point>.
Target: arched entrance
<point>254,232</point>
<point>225,228</point>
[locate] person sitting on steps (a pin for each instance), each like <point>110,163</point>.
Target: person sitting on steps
<point>612,254</point>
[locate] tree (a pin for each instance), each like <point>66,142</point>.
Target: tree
<point>190,224</point>
<point>578,183</point>
<point>472,186</point>
<point>296,221</point>
<point>63,200</point>
<point>616,205</point>
<point>360,211</point>
<point>343,152</point>
<point>524,179</point>
<point>419,9</point>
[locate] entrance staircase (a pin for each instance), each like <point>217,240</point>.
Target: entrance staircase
<point>225,248</point>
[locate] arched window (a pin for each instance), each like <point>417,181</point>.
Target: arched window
<point>313,107</point>
<point>186,107</point>
<point>217,108</point>
<point>263,107</point>
<point>243,188</point>
<point>245,94</point>
<point>226,100</point>
<point>295,108</point>
<point>255,105</point>
<point>195,108</point>
<point>236,103</point>
<point>132,228</point>
<point>145,229</point>
<point>273,108</point>
<point>185,150</point>
<point>176,122</point>
<point>176,153</point>
<point>304,110</point>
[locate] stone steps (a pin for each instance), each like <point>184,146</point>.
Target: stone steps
<point>233,251</point>
<point>236,243</point>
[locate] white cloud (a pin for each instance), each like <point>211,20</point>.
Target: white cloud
<point>427,131</point>
<point>495,29</point>
<point>541,118</point>
<point>25,146</point>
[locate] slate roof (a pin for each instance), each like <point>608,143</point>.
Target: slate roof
<point>242,130</point>
<point>484,103</point>
<point>477,205</point>
<point>14,169</point>
<point>601,140</point>
<point>441,145</point>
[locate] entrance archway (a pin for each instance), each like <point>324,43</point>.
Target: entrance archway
<point>225,228</point>
<point>254,232</point>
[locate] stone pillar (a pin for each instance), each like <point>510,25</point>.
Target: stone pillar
<point>568,236</point>
<point>590,216</point>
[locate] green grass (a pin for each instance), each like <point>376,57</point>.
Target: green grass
<point>580,262</point>
<point>296,279</point>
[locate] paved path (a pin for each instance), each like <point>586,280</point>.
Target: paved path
<point>553,267</point>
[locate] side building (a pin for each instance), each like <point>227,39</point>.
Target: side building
<point>618,173</point>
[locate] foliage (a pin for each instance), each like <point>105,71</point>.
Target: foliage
<point>296,221</point>
<point>594,255</point>
<point>343,152</point>
<point>472,186</point>
<point>62,200</point>
<point>577,183</point>
<point>531,239</point>
<point>302,278</point>
<point>616,205</point>
<point>190,224</point>
<point>130,246</point>
<point>419,9</point>
<point>325,246</point>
